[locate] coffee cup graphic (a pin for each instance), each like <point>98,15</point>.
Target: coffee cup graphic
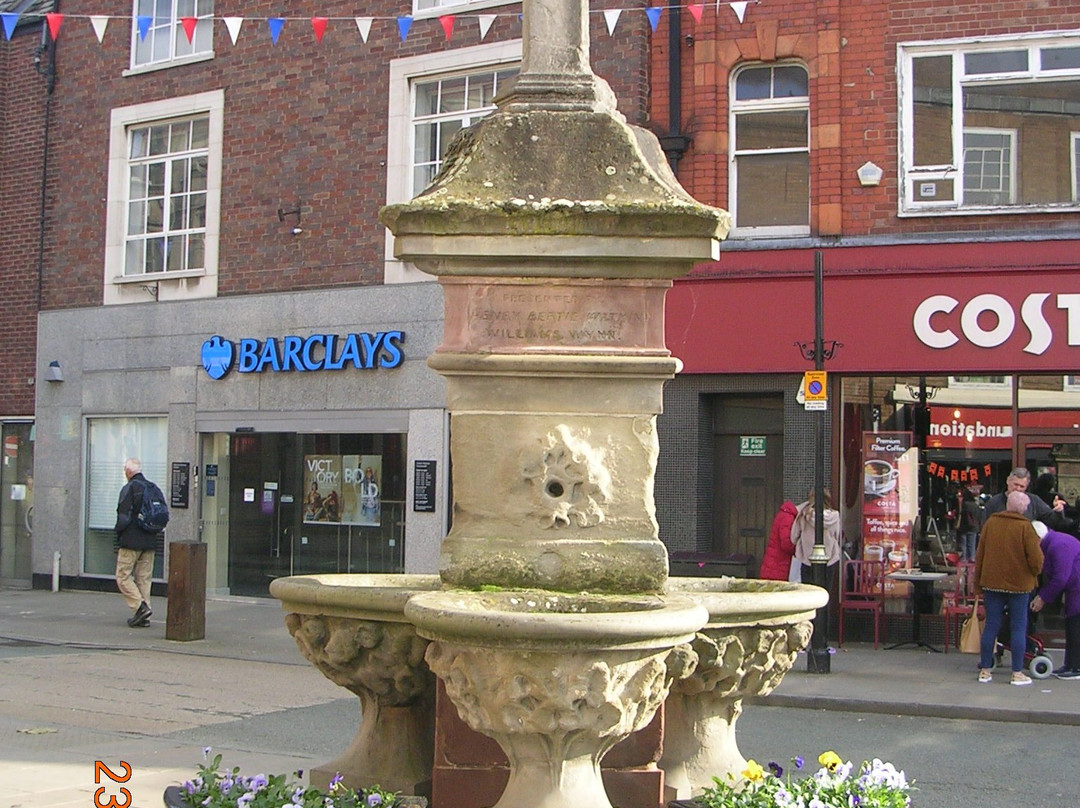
<point>873,552</point>
<point>879,477</point>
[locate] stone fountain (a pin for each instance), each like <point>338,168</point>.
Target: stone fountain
<point>555,229</point>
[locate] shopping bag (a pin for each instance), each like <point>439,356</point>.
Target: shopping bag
<point>971,632</point>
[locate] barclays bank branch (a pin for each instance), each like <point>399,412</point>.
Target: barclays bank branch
<point>293,434</point>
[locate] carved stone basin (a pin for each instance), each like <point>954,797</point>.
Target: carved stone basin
<point>352,628</point>
<point>754,634</point>
<point>556,679</point>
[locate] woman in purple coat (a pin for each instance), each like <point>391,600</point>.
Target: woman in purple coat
<point>1061,575</point>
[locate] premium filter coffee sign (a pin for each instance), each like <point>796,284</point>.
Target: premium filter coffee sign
<point>363,351</point>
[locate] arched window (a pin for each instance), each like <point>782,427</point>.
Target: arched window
<point>770,151</point>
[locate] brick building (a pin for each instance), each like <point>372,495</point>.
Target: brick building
<point>217,294</point>
<point>929,153</point>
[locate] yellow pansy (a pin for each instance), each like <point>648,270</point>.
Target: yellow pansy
<point>753,771</point>
<point>830,760</point>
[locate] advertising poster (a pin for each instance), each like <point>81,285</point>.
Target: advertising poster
<point>890,501</point>
<point>362,501</point>
<point>322,488</point>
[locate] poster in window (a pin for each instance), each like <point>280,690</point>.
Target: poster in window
<point>362,504</point>
<point>890,500</point>
<point>322,488</point>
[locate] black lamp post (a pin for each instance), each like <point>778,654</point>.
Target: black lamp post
<point>818,659</point>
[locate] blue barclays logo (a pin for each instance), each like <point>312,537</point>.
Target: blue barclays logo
<point>318,352</point>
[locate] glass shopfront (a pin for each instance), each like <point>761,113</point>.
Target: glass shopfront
<point>283,503</point>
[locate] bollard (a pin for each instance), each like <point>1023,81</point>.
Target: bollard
<point>186,615</point>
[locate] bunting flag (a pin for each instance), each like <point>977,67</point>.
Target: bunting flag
<point>957,473</point>
<point>144,22</point>
<point>100,23</point>
<point>611,17</point>
<point>447,23</point>
<point>275,24</point>
<point>54,22</point>
<point>232,25</point>
<point>363,25</point>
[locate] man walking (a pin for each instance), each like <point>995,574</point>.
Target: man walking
<point>135,558</point>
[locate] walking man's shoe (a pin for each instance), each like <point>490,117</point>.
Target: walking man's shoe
<point>1067,674</point>
<point>141,618</point>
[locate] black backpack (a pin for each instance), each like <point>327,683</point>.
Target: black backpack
<point>153,513</point>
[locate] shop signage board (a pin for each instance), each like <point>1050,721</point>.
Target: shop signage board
<point>424,486</point>
<point>890,501</point>
<point>362,351</point>
<point>180,487</point>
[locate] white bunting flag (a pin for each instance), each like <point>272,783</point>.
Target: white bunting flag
<point>100,23</point>
<point>485,23</point>
<point>233,24</point>
<point>611,17</point>
<point>739,8</point>
<point>363,25</point>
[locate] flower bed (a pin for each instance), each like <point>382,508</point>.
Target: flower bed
<point>835,785</point>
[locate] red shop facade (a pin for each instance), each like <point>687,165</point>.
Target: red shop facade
<point>969,351</point>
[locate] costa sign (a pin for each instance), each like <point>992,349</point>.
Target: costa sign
<point>989,320</point>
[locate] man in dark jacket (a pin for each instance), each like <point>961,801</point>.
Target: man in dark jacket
<point>135,558</point>
<point>1018,480</point>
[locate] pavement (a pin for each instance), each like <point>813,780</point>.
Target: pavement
<point>78,686</point>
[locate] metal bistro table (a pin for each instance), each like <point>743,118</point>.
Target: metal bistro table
<point>923,592</point>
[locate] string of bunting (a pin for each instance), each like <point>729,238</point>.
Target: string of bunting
<point>957,474</point>
<point>100,22</point>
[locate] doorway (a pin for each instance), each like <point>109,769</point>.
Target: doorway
<point>17,503</point>
<point>748,459</point>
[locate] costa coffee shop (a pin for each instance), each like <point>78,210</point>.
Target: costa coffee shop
<point>950,364</point>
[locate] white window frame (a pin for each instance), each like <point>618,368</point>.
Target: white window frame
<point>403,74</point>
<point>764,105</point>
<point>174,30</point>
<point>437,8</point>
<point>1074,164</point>
<point>1008,134</point>
<point>910,174</point>
<point>963,383</point>
<point>171,285</point>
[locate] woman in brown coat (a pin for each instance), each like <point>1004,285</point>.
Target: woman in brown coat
<point>1007,563</point>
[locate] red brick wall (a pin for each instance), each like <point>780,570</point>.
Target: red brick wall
<point>303,120</point>
<point>22,122</point>
<point>850,50</point>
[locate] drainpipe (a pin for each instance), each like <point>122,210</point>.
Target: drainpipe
<point>675,142</point>
<point>46,52</point>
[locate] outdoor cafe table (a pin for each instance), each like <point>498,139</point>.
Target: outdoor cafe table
<point>923,592</point>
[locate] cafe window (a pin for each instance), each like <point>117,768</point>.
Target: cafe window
<point>988,125</point>
<point>770,151</point>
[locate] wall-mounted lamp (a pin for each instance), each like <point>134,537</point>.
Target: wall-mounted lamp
<point>53,372</point>
<point>282,213</point>
<point>869,174</point>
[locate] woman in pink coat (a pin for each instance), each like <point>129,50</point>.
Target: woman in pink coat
<point>776,562</point>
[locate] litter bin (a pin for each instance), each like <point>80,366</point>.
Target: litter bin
<point>186,615</point>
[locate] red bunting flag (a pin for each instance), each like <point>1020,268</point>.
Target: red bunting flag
<point>189,27</point>
<point>318,25</point>
<point>54,21</point>
<point>695,11</point>
<point>447,22</point>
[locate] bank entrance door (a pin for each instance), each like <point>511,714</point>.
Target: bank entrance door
<point>263,509</point>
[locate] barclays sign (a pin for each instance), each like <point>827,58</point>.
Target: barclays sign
<point>318,352</point>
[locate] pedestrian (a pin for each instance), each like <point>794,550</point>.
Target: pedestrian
<point>779,551</point>
<point>135,558</point>
<point>1061,576</point>
<point>968,523</point>
<point>1007,563</point>
<point>803,534</point>
<point>1018,480</point>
